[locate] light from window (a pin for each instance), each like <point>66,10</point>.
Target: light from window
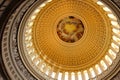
<point>112,16</point>
<point>116,48</point>
<point>53,74</point>
<point>59,76</point>
<point>42,5</point>
<point>113,54</point>
<point>103,65</point>
<point>36,61</point>
<point>32,56</point>
<point>49,0</point>
<point>33,17</point>
<point>116,39</point>
<point>92,72</point>
<point>29,31</point>
<point>98,69</point>
<point>108,59</point>
<point>73,76</point>
<point>86,75</point>
<point>100,3</point>
<point>114,23</point>
<point>66,75</point>
<point>43,66</point>
<point>79,76</point>
<point>106,9</point>
<point>36,11</point>
<point>30,23</point>
<point>30,51</point>
<point>47,71</point>
<point>116,31</point>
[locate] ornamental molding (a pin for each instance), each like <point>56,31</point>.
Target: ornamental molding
<point>13,62</point>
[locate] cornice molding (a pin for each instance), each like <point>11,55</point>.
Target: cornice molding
<point>11,6</point>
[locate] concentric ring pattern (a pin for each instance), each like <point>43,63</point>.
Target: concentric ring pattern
<point>89,56</point>
<point>95,42</point>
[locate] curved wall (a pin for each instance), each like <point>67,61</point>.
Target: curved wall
<point>9,11</point>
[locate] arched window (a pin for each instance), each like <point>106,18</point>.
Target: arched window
<point>59,76</point>
<point>79,76</point>
<point>92,72</point>
<point>66,75</point>
<point>103,65</point>
<point>72,76</point>
<point>107,58</point>
<point>99,71</point>
<point>86,75</point>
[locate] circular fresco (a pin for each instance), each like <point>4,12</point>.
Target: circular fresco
<point>70,29</point>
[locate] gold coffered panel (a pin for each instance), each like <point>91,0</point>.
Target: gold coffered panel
<point>80,54</point>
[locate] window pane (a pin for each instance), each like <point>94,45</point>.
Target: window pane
<point>103,64</point>
<point>98,69</point>
<point>86,75</point>
<point>59,76</point>
<point>108,59</point>
<point>79,76</point>
<point>92,72</point>
<point>53,74</point>
<point>73,76</point>
<point>66,75</point>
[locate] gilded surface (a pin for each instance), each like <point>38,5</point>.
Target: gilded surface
<point>85,52</point>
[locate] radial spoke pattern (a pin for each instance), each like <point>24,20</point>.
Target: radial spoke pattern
<point>80,75</point>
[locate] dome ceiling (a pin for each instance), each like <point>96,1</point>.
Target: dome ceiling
<point>51,37</point>
<point>83,53</point>
<point>68,39</point>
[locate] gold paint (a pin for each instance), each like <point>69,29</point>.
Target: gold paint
<point>77,56</point>
<point>70,28</point>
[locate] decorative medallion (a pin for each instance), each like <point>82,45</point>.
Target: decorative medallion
<point>70,29</point>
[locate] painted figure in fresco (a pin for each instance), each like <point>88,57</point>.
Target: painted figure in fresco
<point>70,29</point>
